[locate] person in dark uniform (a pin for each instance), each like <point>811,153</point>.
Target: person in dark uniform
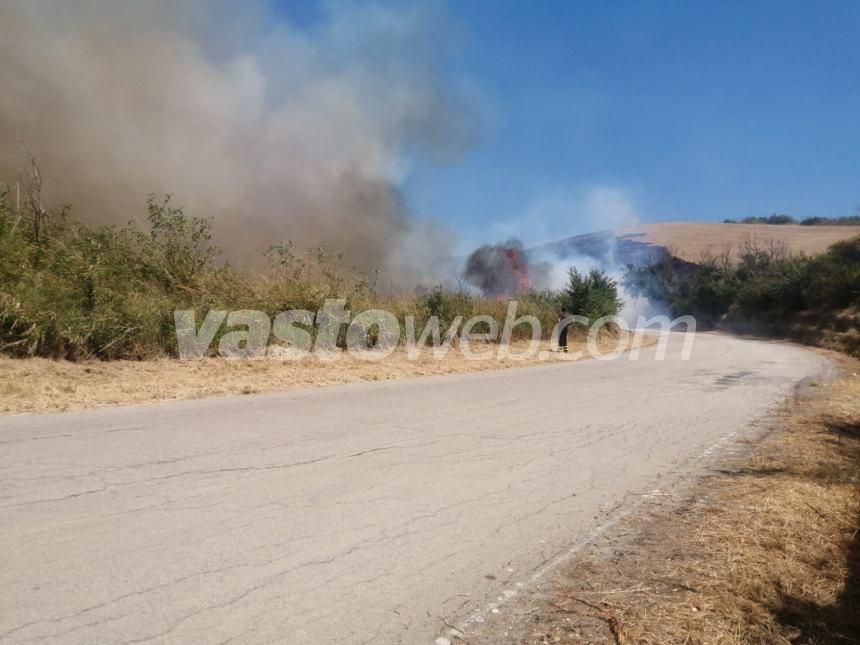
<point>562,333</point>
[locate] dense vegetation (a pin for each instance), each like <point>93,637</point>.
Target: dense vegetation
<point>763,283</point>
<point>848,220</point>
<point>68,290</point>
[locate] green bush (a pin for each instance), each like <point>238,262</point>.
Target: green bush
<point>177,249</point>
<point>764,282</point>
<point>833,278</point>
<point>593,295</point>
<point>74,291</point>
<point>446,305</point>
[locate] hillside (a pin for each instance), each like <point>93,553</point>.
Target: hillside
<point>692,240</point>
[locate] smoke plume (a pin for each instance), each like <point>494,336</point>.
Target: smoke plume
<point>505,269</point>
<point>274,131</point>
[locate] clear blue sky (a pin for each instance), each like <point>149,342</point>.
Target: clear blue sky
<point>668,110</point>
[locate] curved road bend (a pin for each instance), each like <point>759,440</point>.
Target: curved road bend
<point>361,513</point>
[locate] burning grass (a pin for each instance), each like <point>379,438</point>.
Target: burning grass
<point>44,385</point>
<point>764,551</point>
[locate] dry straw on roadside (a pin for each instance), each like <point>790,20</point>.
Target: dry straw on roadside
<point>44,385</point>
<point>763,551</point>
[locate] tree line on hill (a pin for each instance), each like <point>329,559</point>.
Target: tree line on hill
<point>777,218</point>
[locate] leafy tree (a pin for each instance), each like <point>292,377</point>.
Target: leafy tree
<point>593,294</point>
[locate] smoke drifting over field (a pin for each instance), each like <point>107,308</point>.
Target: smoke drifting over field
<point>276,132</point>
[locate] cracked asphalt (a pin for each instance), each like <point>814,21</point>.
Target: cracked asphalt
<point>368,513</point>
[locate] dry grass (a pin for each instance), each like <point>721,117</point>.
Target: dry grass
<point>835,330</point>
<point>693,240</point>
<point>766,551</point>
<point>44,385</point>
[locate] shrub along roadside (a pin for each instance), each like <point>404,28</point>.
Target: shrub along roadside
<point>764,289</point>
<point>593,295</point>
<point>73,291</point>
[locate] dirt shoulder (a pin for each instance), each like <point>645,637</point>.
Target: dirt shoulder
<point>764,550</point>
<point>43,385</point>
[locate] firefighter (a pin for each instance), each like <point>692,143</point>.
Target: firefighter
<point>562,332</point>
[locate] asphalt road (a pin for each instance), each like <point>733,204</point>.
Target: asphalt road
<point>365,513</point>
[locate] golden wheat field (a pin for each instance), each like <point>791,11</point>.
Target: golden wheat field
<point>693,240</point>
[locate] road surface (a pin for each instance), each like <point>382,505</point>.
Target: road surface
<point>364,513</point>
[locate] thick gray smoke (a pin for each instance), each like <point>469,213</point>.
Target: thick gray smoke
<point>276,132</point>
<point>505,269</point>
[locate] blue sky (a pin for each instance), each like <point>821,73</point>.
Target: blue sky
<point>597,113</point>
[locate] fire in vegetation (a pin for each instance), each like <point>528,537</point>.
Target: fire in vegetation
<point>503,270</point>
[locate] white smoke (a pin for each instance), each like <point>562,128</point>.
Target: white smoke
<point>564,213</point>
<point>590,210</point>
